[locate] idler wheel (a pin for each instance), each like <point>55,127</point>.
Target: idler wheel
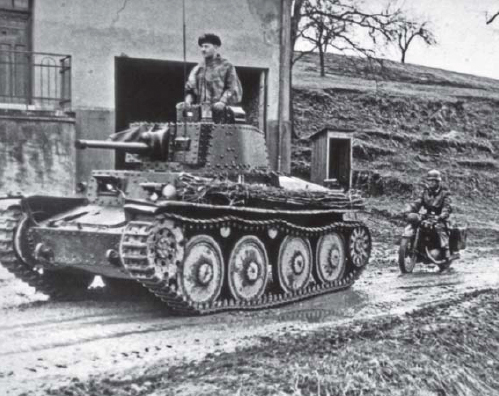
<point>330,257</point>
<point>202,273</point>
<point>294,263</point>
<point>359,246</point>
<point>248,269</point>
<point>57,283</point>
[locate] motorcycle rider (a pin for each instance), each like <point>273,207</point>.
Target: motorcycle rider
<point>436,199</point>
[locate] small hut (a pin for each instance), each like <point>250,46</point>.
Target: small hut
<point>332,157</point>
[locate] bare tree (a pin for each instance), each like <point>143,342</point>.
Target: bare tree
<point>408,31</point>
<point>296,16</point>
<point>321,28</point>
<point>491,18</point>
<point>337,24</point>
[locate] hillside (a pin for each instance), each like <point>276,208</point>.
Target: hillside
<point>408,119</point>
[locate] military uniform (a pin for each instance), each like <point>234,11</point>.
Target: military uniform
<point>215,80</point>
<point>437,203</point>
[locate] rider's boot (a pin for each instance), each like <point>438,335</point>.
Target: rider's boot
<point>448,259</point>
<point>454,256</point>
<point>450,256</point>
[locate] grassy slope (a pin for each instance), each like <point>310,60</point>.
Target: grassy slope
<point>408,119</point>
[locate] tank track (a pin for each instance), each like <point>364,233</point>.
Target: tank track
<point>134,253</point>
<point>53,285</point>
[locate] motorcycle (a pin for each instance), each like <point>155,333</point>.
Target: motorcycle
<point>421,244</point>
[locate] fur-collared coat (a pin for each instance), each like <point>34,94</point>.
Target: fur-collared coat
<point>214,81</point>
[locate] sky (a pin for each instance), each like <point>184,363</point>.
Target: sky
<point>465,43</point>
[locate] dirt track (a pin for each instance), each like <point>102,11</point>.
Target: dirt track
<point>46,344</point>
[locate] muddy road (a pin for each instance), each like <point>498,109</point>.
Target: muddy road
<point>46,344</point>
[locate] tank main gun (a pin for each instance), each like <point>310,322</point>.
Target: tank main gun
<point>130,147</point>
<point>153,144</point>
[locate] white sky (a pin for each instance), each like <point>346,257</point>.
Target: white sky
<point>465,43</point>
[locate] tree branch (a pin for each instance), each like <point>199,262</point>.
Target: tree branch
<point>491,19</point>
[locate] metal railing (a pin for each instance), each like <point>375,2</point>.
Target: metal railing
<point>40,79</point>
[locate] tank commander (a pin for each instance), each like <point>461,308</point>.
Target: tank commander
<point>436,200</point>
<point>214,80</point>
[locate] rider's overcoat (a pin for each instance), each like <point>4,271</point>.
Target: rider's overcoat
<point>435,202</point>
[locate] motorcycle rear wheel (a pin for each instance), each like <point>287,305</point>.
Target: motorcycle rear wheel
<point>407,257</point>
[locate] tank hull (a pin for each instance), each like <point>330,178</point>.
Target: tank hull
<point>194,257</point>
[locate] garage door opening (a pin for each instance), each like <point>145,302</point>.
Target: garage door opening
<point>148,90</point>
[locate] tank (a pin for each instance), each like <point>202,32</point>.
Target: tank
<point>196,217</point>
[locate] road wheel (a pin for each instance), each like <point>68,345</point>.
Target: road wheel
<point>202,273</point>
<point>294,263</point>
<point>330,257</point>
<point>248,269</point>
<point>407,258</point>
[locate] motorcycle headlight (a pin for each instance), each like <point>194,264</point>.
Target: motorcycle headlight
<point>413,218</point>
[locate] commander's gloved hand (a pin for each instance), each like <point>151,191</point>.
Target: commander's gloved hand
<point>188,101</point>
<point>219,106</point>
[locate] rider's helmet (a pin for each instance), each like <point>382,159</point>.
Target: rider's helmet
<point>434,175</point>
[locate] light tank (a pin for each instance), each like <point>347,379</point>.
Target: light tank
<point>197,218</point>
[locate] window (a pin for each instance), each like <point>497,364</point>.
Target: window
<point>15,70</point>
<point>15,4</point>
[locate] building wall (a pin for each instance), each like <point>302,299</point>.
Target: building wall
<point>94,32</point>
<point>36,153</point>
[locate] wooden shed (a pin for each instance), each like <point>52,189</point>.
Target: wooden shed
<point>332,157</point>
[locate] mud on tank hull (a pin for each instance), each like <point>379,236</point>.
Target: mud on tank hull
<point>197,258</point>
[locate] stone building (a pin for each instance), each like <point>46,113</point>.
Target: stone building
<point>87,68</point>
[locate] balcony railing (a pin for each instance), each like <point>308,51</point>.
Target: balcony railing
<point>37,79</point>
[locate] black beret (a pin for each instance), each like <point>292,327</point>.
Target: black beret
<point>209,38</point>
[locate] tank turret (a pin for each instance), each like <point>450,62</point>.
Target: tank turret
<point>206,145</point>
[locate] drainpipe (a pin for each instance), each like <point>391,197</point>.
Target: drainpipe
<point>284,124</point>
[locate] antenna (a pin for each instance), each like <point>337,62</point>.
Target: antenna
<point>185,65</point>
<point>183,43</point>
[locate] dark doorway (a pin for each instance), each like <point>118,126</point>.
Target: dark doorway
<point>340,161</point>
<point>148,90</point>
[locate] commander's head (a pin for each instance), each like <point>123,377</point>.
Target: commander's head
<point>209,44</point>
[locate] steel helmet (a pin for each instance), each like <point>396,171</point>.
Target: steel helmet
<point>433,175</point>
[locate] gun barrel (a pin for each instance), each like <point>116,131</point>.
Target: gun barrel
<point>130,147</point>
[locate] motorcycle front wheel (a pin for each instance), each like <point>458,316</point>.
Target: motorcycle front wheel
<point>407,257</point>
